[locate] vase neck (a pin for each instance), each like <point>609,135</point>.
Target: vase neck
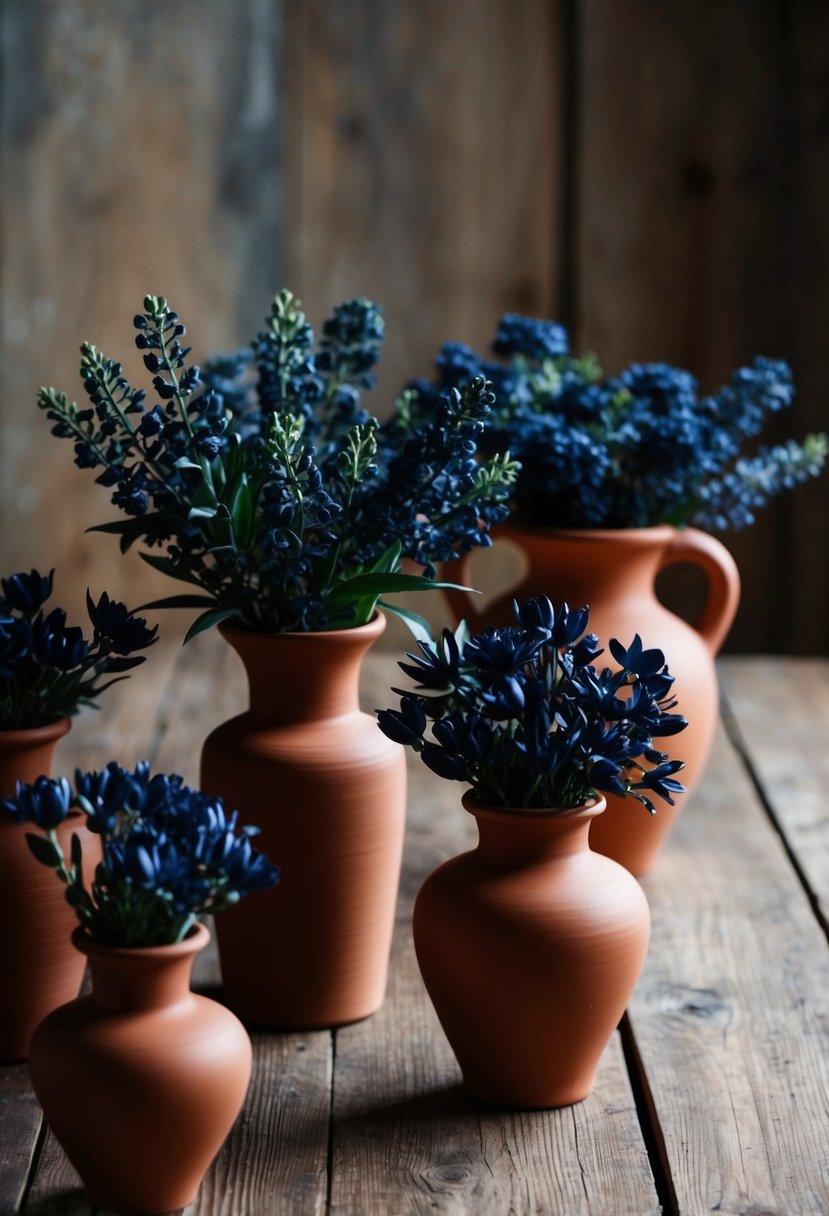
<point>507,837</point>
<point>130,979</point>
<point>303,677</point>
<point>595,566</point>
<point>27,754</point>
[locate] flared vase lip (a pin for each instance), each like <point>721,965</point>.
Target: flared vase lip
<point>372,629</point>
<point>36,734</point>
<point>651,533</point>
<point>587,810</point>
<point>197,938</point>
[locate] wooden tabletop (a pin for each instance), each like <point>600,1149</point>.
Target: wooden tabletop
<point>712,1097</point>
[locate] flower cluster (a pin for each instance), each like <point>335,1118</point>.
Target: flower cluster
<point>525,716</point>
<point>48,669</point>
<point>169,853</point>
<point>264,482</point>
<point>632,450</point>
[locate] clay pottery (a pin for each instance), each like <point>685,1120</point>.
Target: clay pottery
<point>39,970</point>
<point>614,572</point>
<point>530,946</point>
<point>328,790</point>
<point>141,1080</point>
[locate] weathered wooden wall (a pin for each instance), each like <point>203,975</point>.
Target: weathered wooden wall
<point>653,173</point>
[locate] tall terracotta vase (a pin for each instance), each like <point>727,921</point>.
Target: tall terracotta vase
<point>530,946</point>
<point>328,790</point>
<point>614,572</point>
<point>39,970</point>
<point>141,1080</point>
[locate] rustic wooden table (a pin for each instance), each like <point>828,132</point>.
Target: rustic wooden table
<point>712,1097</point>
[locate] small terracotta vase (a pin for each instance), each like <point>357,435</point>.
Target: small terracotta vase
<point>141,1080</point>
<point>530,946</point>
<point>614,572</point>
<point>328,790</point>
<point>39,970</point>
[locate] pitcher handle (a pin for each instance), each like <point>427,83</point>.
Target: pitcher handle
<point>699,549</point>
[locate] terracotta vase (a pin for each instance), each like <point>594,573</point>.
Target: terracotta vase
<point>328,790</point>
<point>39,970</point>
<point>614,572</point>
<point>141,1080</point>
<point>530,946</point>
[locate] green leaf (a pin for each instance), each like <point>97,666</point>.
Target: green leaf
<point>418,625</point>
<point>168,567</point>
<point>43,850</point>
<point>178,601</point>
<point>156,524</point>
<point>389,561</point>
<point>77,852</point>
<point>207,620</point>
<point>242,514</point>
<point>201,513</point>
<point>362,585</point>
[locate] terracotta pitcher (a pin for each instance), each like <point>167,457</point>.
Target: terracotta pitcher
<point>614,572</point>
<point>328,790</point>
<point>142,1080</point>
<point>530,946</point>
<point>39,970</point>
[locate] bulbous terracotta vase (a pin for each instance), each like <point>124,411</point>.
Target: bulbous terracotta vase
<point>530,946</point>
<point>39,970</point>
<point>328,790</point>
<point>614,572</point>
<point>141,1080</point>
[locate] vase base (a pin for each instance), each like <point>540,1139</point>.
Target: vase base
<point>552,1100</point>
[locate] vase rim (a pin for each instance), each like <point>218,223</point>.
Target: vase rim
<point>652,532</point>
<point>370,629</point>
<point>586,810</point>
<point>43,733</point>
<point>197,938</point>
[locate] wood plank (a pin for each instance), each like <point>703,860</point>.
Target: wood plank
<point>781,714</point>
<point>110,190</point>
<point>275,1157</point>
<point>730,1016</point>
<point>408,1139</point>
<point>702,183</point>
<point>421,148</point>
<point>20,1121</point>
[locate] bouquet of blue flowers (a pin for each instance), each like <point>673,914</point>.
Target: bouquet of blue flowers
<point>48,669</point>
<point>170,852</point>
<point>633,450</point>
<point>527,719</point>
<point>263,482</point>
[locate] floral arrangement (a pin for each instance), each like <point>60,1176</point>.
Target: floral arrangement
<point>632,450</point>
<point>265,484</point>
<point>48,669</point>
<point>170,853</point>
<point>525,717</point>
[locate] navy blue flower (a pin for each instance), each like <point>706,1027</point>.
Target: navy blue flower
<point>113,620</point>
<point>46,803</point>
<point>169,852</point>
<point>528,720</point>
<point>27,592</point>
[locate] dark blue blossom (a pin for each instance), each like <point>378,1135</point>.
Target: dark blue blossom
<point>170,852</point>
<point>45,803</point>
<point>528,720</point>
<point>632,450</point>
<point>48,669</point>
<point>262,479</point>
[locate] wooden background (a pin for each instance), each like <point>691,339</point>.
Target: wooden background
<point>653,173</point>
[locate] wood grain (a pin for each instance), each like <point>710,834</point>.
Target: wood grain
<point>730,1016</point>
<point>140,151</point>
<point>779,715</point>
<point>407,1139</point>
<point>702,177</point>
<point>422,146</point>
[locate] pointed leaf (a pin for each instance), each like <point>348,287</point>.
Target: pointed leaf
<point>178,601</point>
<point>418,625</point>
<point>363,585</point>
<point>207,620</point>
<point>43,850</point>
